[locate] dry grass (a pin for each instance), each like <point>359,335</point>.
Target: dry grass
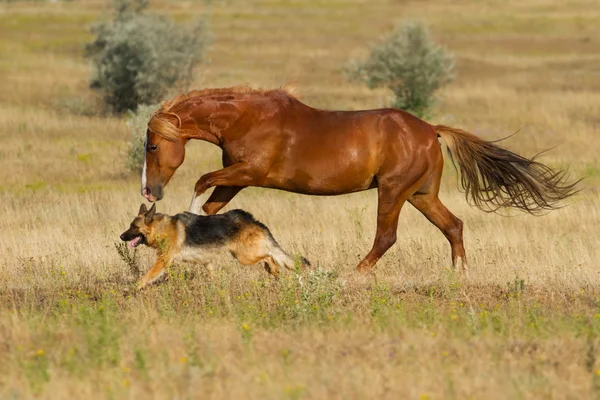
<point>526,324</point>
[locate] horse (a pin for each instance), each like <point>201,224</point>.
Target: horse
<point>270,139</point>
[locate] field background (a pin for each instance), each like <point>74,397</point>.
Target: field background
<point>526,324</point>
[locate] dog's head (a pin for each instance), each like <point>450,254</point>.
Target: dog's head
<point>141,229</point>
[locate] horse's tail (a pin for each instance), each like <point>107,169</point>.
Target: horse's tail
<point>493,177</point>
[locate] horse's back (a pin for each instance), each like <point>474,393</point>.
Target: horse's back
<point>335,152</point>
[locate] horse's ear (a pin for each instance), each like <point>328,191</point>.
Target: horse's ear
<point>152,211</point>
<point>143,209</point>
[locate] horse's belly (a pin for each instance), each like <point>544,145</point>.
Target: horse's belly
<point>322,184</point>
<point>339,162</point>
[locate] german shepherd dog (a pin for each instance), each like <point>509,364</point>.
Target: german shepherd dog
<point>191,237</point>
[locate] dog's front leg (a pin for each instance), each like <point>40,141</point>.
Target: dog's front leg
<point>157,270</point>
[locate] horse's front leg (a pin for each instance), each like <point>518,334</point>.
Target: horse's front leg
<point>219,198</point>
<point>229,182</point>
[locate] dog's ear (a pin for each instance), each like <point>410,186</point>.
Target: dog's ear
<point>152,211</point>
<point>143,210</point>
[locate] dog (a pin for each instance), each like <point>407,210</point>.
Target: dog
<point>192,238</point>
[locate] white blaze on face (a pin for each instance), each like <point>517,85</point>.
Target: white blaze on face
<point>144,181</point>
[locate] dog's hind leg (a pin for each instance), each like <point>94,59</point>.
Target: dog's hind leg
<point>256,244</point>
<point>281,258</point>
<point>271,267</point>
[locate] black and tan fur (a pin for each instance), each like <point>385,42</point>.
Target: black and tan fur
<point>193,238</point>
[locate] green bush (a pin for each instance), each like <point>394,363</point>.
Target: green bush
<point>138,123</point>
<point>138,58</point>
<point>410,64</point>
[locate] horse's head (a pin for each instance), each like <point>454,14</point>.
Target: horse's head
<point>169,129</point>
<point>165,151</point>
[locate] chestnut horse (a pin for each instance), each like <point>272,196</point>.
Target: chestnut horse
<point>270,139</point>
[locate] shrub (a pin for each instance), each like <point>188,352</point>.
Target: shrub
<point>408,63</point>
<point>137,58</point>
<point>138,123</point>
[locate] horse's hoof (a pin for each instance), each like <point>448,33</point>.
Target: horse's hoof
<point>363,270</point>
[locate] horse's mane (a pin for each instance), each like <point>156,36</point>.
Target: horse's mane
<point>162,122</point>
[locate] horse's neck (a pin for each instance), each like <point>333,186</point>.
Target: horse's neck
<point>205,136</point>
<point>199,131</point>
<point>210,121</point>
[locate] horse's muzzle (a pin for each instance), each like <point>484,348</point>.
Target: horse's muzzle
<point>152,195</point>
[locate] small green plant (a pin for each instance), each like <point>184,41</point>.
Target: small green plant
<point>410,64</point>
<point>294,392</point>
<point>130,257</point>
<point>138,58</point>
<point>141,363</point>
<point>317,290</point>
<point>380,300</point>
<point>163,244</point>
<point>590,354</point>
<point>246,332</point>
<point>192,350</point>
<point>36,371</point>
<point>320,286</point>
<point>516,287</point>
<point>98,324</point>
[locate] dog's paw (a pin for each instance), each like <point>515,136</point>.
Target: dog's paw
<point>130,291</point>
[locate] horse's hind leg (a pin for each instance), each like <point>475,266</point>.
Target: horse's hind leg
<point>452,227</point>
<point>392,191</point>
<point>427,202</point>
<point>390,201</point>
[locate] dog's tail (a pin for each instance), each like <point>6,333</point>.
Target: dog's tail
<point>282,259</point>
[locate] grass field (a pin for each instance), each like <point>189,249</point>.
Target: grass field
<point>525,324</point>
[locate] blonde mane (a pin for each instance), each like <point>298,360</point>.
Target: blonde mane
<point>161,122</point>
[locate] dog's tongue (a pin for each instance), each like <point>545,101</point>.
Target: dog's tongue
<point>135,242</point>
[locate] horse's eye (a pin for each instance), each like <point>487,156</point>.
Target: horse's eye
<point>152,147</point>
